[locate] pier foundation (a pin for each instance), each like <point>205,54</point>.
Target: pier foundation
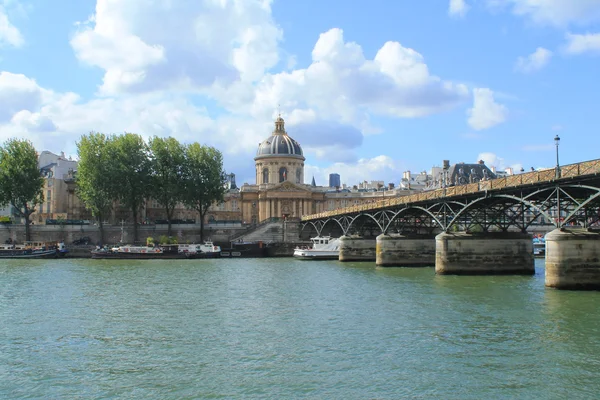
<point>573,259</point>
<point>484,253</point>
<point>405,250</point>
<point>356,248</point>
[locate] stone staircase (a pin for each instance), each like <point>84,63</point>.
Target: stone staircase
<point>272,231</point>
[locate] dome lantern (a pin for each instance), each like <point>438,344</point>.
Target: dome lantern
<point>279,144</point>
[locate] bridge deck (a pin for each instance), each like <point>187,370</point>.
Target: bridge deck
<point>567,172</point>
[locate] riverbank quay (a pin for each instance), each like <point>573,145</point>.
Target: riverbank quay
<point>185,233</point>
<point>271,249</point>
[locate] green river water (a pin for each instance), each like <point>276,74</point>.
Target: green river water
<point>285,329</point>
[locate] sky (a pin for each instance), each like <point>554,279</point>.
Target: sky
<point>368,88</point>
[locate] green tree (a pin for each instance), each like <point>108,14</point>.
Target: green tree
<point>130,172</point>
<point>95,184</point>
<point>204,179</point>
<point>168,158</point>
<point>21,183</point>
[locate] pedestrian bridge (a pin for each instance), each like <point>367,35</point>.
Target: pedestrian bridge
<point>481,227</point>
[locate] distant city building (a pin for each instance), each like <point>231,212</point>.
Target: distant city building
<point>279,191</point>
<point>334,181</point>
<point>59,198</point>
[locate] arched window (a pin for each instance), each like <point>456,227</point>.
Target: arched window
<point>298,175</point>
<point>265,175</point>
<point>282,174</point>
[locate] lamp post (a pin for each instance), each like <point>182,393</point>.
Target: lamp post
<point>556,142</point>
<point>557,175</point>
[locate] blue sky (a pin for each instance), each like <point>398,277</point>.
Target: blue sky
<point>369,89</point>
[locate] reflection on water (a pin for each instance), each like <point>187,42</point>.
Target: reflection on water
<point>282,328</point>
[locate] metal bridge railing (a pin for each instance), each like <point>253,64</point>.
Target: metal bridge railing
<point>547,175</point>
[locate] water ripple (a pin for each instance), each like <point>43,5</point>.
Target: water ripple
<point>279,328</point>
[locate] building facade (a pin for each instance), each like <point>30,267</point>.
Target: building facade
<point>334,181</point>
<point>280,191</point>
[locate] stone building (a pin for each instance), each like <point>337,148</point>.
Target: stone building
<point>59,200</point>
<point>280,191</point>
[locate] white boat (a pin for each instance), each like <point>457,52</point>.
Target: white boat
<point>323,248</point>
<point>539,247</point>
<point>207,247</point>
<point>137,249</point>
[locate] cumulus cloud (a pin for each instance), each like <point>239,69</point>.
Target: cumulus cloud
<point>493,160</point>
<point>53,119</point>
<point>17,93</point>
<point>178,45</point>
<point>9,34</point>
<point>485,112</point>
<point>582,43</point>
<point>158,62</point>
<point>556,12</point>
<point>377,168</point>
<point>534,62</point>
<point>342,84</point>
<point>458,8</point>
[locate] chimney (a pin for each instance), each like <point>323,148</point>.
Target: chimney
<point>481,162</point>
<point>446,164</point>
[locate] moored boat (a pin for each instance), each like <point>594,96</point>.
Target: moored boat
<point>204,250</point>
<point>323,248</point>
<point>138,252</point>
<point>539,246</point>
<point>245,250</point>
<point>33,250</point>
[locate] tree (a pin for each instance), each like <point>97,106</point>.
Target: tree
<point>95,184</point>
<point>204,179</point>
<point>130,172</point>
<point>168,158</point>
<point>21,183</point>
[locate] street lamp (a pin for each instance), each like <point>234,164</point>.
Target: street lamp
<point>557,141</point>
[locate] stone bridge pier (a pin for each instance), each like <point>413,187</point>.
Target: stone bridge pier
<point>573,259</point>
<point>357,248</point>
<point>415,250</point>
<point>484,253</point>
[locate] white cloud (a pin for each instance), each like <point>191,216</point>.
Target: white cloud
<point>485,113</point>
<point>17,93</point>
<point>344,86</point>
<point>535,61</point>
<point>178,45</point>
<point>55,121</point>
<point>223,50</point>
<point>559,13</point>
<point>9,34</point>
<point>493,160</point>
<point>458,8</point>
<point>366,169</point>
<point>584,43</point>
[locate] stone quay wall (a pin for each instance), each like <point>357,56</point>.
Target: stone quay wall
<point>113,233</point>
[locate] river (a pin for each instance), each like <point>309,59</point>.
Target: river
<point>284,329</point>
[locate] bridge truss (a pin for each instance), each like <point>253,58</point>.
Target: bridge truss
<point>562,202</point>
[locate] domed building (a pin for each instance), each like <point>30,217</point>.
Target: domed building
<point>280,191</point>
<point>279,158</point>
